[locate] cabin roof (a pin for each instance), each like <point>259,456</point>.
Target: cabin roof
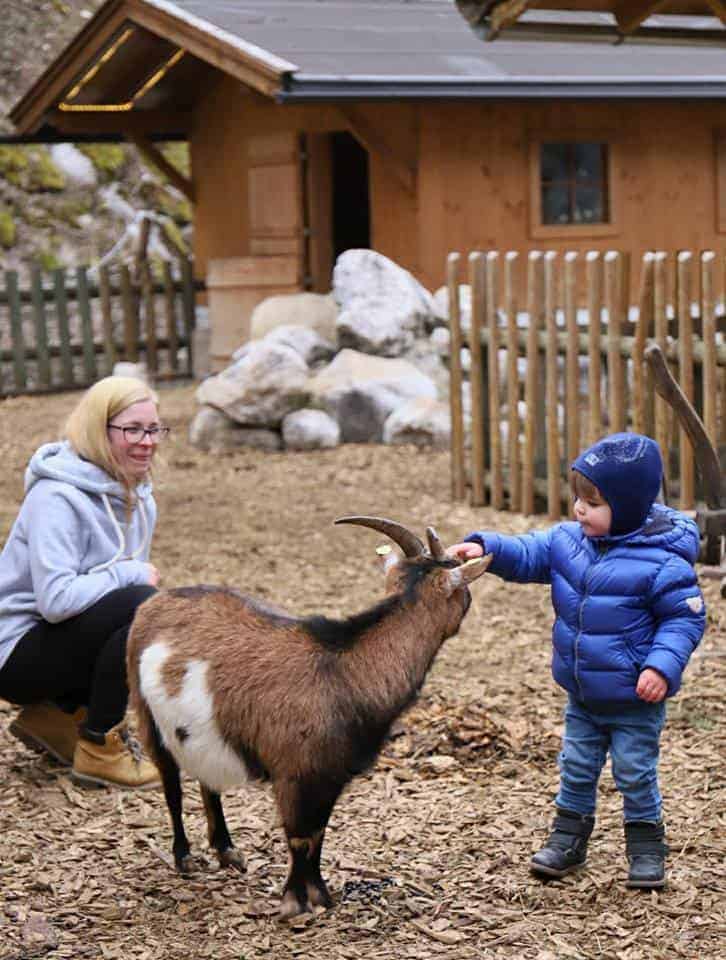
<point>153,57</point>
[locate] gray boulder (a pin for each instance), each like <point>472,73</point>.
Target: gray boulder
<point>315,311</point>
<point>423,422</point>
<point>310,430</point>
<point>213,431</point>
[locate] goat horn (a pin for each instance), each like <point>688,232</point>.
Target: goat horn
<point>407,541</point>
<point>436,547</point>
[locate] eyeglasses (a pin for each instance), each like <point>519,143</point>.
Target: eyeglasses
<point>136,434</point>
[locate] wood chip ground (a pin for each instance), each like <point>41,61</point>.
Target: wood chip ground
<point>427,855</point>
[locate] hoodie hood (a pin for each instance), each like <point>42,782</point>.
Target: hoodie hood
<point>59,461</point>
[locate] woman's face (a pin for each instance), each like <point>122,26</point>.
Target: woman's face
<point>134,456</point>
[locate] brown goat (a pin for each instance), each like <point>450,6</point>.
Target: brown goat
<point>227,688</point>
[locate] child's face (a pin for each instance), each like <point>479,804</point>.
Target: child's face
<point>594,515</point>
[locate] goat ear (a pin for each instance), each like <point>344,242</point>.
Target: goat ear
<point>469,571</point>
<point>387,556</point>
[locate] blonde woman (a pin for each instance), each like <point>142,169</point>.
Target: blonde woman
<point>73,571</point>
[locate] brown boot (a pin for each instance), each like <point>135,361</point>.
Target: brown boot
<point>111,759</point>
<point>44,727</point>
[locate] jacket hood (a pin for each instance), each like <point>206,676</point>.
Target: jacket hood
<point>59,461</point>
<point>664,527</point>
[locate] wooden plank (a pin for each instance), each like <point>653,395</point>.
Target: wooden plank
<point>41,330</point>
<point>458,476</point>
<point>64,332</point>
<point>478,426</point>
<point>594,271</point>
<point>510,307</point>
<point>660,324</point>
<point>551,388</point>
<point>187,296</point>
<point>16,329</point>
<point>643,328</point>
<point>152,357</point>
<point>130,315</point>
<point>84,308</point>
<point>708,312</point>
<point>150,152</point>
<point>170,316</point>
<point>495,441</point>
<point>572,367</point>
<point>616,412</point>
<point>630,14</point>
<point>109,346</point>
<point>684,271</point>
<point>535,298</point>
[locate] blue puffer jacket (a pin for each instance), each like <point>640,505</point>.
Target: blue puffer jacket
<point>622,603</point>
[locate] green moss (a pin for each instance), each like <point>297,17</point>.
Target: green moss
<point>178,208</point>
<point>7,229</point>
<point>173,236</point>
<point>44,173</point>
<point>13,164</point>
<point>108,158</point>
<point>178,154</point>
<point>47,260</point>
<point>69,210</point>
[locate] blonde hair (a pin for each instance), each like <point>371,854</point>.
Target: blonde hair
<point>583,488</point>
<point>87,427</point>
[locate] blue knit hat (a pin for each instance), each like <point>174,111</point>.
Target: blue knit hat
<point>627,470</point>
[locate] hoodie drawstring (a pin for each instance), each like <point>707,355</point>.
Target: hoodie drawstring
<point>121,538</point>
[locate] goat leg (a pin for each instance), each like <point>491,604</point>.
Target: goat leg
<point>218,833</point>
<point>171,781</point>
<point>305,809</point>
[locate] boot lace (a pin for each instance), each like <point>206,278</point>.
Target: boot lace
<point>132,745</point>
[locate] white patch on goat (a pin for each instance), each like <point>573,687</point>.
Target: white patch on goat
<point>203,753</point>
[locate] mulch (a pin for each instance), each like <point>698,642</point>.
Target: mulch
<point>425,856</point>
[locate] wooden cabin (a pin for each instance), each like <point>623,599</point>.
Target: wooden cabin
<point>320,125</point>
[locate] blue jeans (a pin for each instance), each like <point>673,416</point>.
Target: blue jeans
<point>632,736</point>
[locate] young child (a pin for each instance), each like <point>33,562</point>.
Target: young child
<point>628,615</point>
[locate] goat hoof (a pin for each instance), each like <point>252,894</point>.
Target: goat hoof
<point>232,858</point>
<point>290,907</point>
<point>185,865</point>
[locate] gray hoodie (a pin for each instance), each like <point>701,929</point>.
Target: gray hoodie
<point>70,544</point>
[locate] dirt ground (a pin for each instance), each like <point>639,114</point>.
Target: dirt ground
<point>427,855</point>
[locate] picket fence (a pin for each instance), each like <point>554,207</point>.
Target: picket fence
<point>64,329</point>
<point>570,368</point>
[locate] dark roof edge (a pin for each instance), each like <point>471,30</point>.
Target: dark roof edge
<point>299,89</point>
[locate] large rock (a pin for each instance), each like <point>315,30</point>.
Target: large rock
<point>383,308</point>
<point>316,311</point>
<point>213,431</point>
<point>74,165</point>
<point>269,381</point>
<point>423,422</point>
<point>361,391</point>
<point>310,430</point>
<point>313,348</point>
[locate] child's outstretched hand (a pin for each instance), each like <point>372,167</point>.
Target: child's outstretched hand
<point>651,687</point>
<point>465,551</point>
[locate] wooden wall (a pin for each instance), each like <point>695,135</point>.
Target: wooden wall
<point>458,176</point>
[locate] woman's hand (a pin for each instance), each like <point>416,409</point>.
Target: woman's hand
<point>465,551</point>
<point>153,575</point>
<point>652,687</point>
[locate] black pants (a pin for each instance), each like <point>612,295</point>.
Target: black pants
<point>79,661</point>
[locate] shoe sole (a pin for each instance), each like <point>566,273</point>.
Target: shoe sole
<point>36,744</point>
<point>645,884</point>
<point>551,872</point>
<point>96,783</point>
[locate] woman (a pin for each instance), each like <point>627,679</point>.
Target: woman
<point>72,573</point>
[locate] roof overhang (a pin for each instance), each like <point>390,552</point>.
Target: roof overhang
<point>628,19</point>
<point>119,68</point>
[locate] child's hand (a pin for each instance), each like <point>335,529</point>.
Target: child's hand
<point>652,687</point>
<point>465,551</point>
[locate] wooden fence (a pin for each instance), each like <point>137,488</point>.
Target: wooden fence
<point>557,362</point>
<point>65,329</point>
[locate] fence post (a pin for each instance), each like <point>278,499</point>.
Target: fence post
<point>685,363</point>
<point>660,299</point>
<point>554,506</point>
<point>64,333</point>
<point>572,365</point>
<point>147,288</point>
<point>478,293</point>
<point>643,329</point>
<point>510,307</point>
<point>41,330</point>
<point>170,311</point>
<point>16,329</point>
<point>458,483</point>
<point>187,273</point>
<point>131,317</point>
<point>495,441</point>
<point>708,333</point>
<point>104,289</point>
<point>535,304</point>
<point>594,311</point>
<point>84,308</point>
<point>613,302</point>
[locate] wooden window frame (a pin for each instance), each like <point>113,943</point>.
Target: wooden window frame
<point>546,231</point>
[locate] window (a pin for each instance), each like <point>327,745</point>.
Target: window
<point>574,183</point>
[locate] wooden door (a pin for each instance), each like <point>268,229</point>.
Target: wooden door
<point>275,195</point>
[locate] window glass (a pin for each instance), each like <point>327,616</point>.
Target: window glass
<point>574,183</point>
<point>554,161</point>
<point>555,203</point>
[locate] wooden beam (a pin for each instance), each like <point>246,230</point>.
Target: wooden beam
<point>152,153</point>
<point>719,9</point>
<point>505,14</point>
<point>142,122</point>
<point>629,14</point>
<point>373,139</point>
